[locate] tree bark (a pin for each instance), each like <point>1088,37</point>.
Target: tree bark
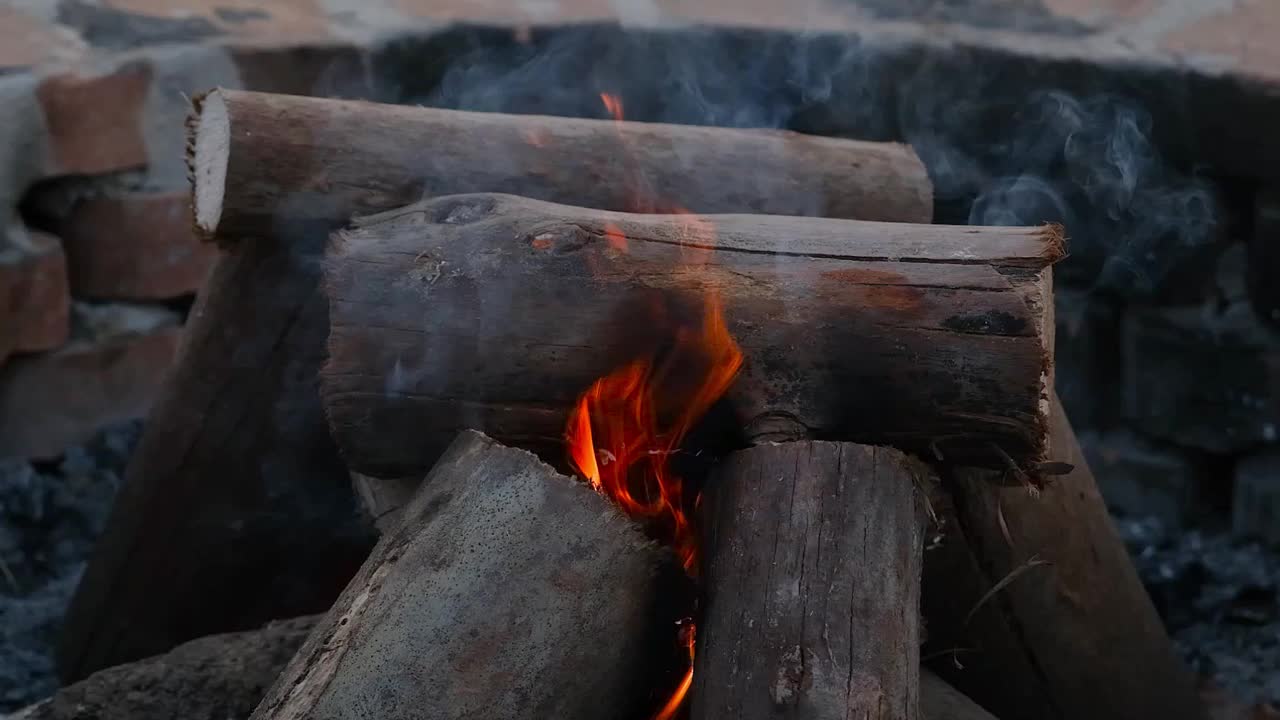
<point>495,312</point>
<point>235,508</point>
<point>260,159</point>
<point>813,553</point>
<point>1071,613</point>
<point>507,591</point>
<point>219,677</point>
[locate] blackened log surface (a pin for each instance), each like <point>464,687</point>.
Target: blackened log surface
<point>1080,620</point>
<point>235,508</point>
<point>219,677</point>
<point>813,553</point>
<point>506,591</point>
<point>303,159</point>
<point>493,311</point>
<point>940,701</point>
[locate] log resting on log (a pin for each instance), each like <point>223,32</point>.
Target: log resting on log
<point>218,677</point>
<point>813,554</point>
<point>1072,614</point>
<point>236,494</point>
<point>260,159</point>
<point>495,311</point>
<point>506,591</point>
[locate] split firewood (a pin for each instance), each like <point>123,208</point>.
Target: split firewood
<point>236,494</point>
<point>813,553</point>
<point>940,701</point>
<point>506,591</point>
<point>496,311</point>
<point>1031,597</point>
<point>219,677</point>
<point>260,160</point>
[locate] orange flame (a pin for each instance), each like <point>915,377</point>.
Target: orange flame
<point>623,430</point>
<point>668,711</point>
<point>613,104</point>
<point>619,444</point>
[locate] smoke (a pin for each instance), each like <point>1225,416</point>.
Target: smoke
<point>1004,144</point>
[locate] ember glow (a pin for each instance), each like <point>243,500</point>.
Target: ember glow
<point>625,427</point>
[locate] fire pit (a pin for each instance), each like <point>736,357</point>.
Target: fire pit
<point>721,422</point>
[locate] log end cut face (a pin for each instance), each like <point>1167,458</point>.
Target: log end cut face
<point>208,159</point>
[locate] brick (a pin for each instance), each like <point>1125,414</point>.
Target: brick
<point>95,123</point>
<point>111,371</point>
<point>1138,477</point>
<point>1200,378</point>
<point>1256,502</point>
<point>27,40</point>
<point>138,246</point>
<point>34,299</point>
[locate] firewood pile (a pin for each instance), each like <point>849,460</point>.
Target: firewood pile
<point>662,421</point>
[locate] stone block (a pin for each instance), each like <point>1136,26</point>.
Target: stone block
<point>95,122</point>
<point>1201,378</point>
<point>34,300</point>
<point>1256,501</point>
<point>1087,356</point>
<point>138,246</point>
<point>1140,478</point>
<point>111,371</point>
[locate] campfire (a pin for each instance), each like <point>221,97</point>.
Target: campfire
<point>665,422</point>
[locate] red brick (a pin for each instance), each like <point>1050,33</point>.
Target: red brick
<point>135,247</point>
<point>111,372</point>
<point>95,122</point>
<point>34,300</point>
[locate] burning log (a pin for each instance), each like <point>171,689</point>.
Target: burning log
<point>261,160</point>
<point>238,442</point>
<point>507,590</point>
<point>813,553</point>
<point>494,311</point>
<point>1036,597</point>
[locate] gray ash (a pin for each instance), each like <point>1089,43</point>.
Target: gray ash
<point>1220,598</point>
<point>50,516</point>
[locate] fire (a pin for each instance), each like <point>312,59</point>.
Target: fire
<point>613,104</point>
<point>619,441</point>
<point>625,427</point>
<point>687,634</point>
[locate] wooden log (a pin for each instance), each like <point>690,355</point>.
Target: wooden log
<point>1035,597</point>
<point>236,493</point>
<point>259,159</point>
<point>813,553</point>
<point>940,701</point>
<point>235,508</point>
<point>506,591</point>
<point>497,311</point>
<point>219,677</point>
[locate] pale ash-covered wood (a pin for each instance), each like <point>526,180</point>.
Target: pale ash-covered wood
<point>495,312</point>
<point>506,591</point>
<point>260,160</point>
<point>812,565</point>
<point>1080,620</point>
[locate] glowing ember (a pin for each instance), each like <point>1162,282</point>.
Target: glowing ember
<point>625,427</point>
